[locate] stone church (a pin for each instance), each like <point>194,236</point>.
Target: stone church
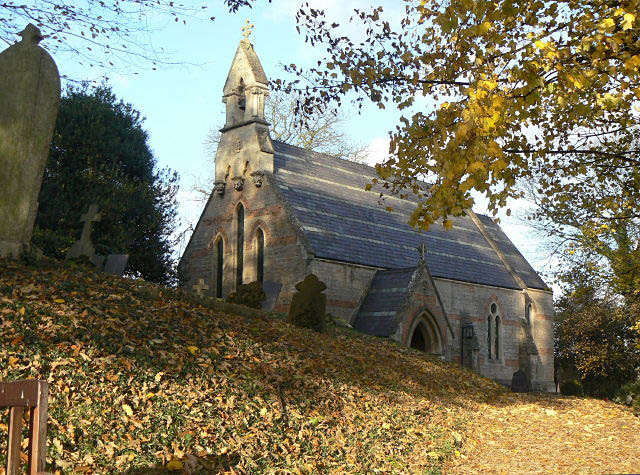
<point>279,212</point>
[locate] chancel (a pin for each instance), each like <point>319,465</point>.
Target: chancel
<point>279,213</point>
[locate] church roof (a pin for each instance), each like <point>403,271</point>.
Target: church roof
<point>384,299</point>
<point>343,222</point>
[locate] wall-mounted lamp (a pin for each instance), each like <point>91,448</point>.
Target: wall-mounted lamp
<point>467,331</point>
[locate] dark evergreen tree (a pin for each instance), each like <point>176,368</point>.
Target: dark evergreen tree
<point>99,154</point>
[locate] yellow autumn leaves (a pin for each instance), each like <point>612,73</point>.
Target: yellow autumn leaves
<point>505,82</point>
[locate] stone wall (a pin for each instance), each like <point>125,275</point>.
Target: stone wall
<point>285,255</point>
<point>474,301</point>
<point>346,286</point>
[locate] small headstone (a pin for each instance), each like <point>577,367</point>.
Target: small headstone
<point>308,306</point>
<point>520,382</point>
<point>83,246</point>
<point>29,100</point>
<point>200,287</point>
<point>98,261</point>
<point>272,291</point>
<point>116,264</point>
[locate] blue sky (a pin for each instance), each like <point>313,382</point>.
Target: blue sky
<point>182,103</point>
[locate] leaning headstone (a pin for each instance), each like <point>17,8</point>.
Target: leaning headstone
<point>83,246</point>
<point>308,306</point>
<point>272,291</point>
<point>116,264</point>
<point>29,100</point>
<point>520,382</point>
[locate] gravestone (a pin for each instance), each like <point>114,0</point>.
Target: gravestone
<point>29,100</point>
<point>309,304</point>
<point>272,291</point>
<point>200,287</point>
<point>116,264</point>
<point>83,246</point>
<point>520,382</point>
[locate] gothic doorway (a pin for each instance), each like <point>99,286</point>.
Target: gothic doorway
<point>426,335</point>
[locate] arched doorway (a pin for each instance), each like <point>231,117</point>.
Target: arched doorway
<point>426,335</point>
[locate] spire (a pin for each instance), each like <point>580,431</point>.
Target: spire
<point>245,152</point>
<point>247,85</point>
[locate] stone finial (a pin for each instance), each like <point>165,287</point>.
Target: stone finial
<point>31,33</point>
<point>422,249</point>
<point>246,30</point>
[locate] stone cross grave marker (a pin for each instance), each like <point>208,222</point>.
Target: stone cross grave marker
<point>308,305</point>
<point>83,246</point>
<point>200,286</point>
<point>29,100</point>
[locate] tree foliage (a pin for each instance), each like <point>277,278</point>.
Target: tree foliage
<point>99,154</point>
<point>516,88</point>
<point>594,331</point>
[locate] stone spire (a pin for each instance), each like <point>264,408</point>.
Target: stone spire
<point>245,150</point>
<point>247,85</point>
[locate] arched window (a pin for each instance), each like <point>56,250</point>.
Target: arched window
<point>260,255</point>
<point>527,314</point>
<point>493,333</point>
<point>239,244</point>
<point>497,345</point>
<point>219,266</point>
<point>489,336</point>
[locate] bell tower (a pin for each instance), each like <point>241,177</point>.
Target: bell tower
<point>245,151</point>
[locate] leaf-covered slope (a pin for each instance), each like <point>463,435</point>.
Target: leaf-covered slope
<point>142,377</point>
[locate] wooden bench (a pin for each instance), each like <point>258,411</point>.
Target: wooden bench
<point>18,395</point>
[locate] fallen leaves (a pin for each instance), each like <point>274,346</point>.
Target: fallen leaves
<point>142,376</point>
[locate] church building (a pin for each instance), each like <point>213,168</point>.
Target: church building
<point>278,213</point>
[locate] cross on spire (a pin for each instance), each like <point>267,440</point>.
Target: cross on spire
<point>246,29</point>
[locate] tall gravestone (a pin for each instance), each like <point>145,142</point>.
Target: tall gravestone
<point>29,100</point>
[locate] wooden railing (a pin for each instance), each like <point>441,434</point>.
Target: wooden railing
<point>18,395</point>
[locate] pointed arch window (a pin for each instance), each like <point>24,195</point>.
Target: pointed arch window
<point>489,336</point>
<point>260,255</point>
<point>494,333</point>
<point>219,266</point>
<point>239,244</point>
<point>498,342</point>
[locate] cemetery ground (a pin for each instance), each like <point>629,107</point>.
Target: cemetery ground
<point>145,379</point>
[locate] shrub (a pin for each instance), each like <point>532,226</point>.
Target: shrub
<point>629,394</point>
<point>571,387</point>
<point>250,295</point>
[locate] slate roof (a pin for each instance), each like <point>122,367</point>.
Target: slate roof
<point>386,296</point>
<point>344,222</point>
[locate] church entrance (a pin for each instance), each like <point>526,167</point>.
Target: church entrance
<point>426,335</point>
